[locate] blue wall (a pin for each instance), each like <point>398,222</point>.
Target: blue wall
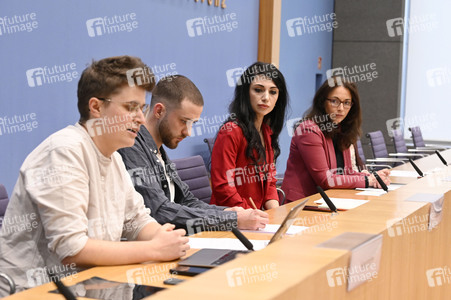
<point>46,33</point>
<point>301,44</point>
<point>36,36</point>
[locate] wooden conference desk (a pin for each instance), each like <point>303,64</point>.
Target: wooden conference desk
<point>295,268</point>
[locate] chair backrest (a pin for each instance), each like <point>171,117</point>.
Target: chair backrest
<point>417,137</point>
<point>360,150</point>
<point>398,141</point>
<point>3,200</point>
<point>210,142</point>
<point>193,172</point>
<point>378,144</point>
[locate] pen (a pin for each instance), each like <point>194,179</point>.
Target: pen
<point>252,203</point>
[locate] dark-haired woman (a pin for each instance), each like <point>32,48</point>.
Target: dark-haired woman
<point>323,144</point>
<point>247,145</point>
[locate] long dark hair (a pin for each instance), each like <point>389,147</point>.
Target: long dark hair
<point>243,115</point>
<point>349,129</point>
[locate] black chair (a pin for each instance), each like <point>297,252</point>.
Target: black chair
<point>10,281</point>
<point>419,143</point>
<point>370,163</point>
<point>400,144</point>
<point>3,202</point>
<point>281,195</point>
<point>193,172</point>
<point>379,149</point>
<point>210,142</point>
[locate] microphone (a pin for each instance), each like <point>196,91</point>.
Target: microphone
<point>326,199</point>
<point>416,168</point>
<point>64,290</point>
<point>441,157</point>
<point>243,239</point>
<point>381,182</point>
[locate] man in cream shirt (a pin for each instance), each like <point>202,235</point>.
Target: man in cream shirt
<point>74,200</point>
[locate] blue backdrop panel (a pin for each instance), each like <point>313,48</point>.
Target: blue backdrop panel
<point>45,45</point>
<point>306,35</point>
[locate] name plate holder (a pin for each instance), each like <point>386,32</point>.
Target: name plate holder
<point>366,250</point>
<point>436,209</point>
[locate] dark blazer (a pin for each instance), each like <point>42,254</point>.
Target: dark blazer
<point>149,180</point>
<point>312,162</point>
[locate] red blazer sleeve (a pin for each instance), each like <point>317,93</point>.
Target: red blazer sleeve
<point>223,168</point>
<point>312,144</point>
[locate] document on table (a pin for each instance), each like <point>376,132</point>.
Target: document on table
<point>341,203</point>
<point>377,192</point>
<point>224,243</point>
<point>272,228</point>
<point>398,173</point>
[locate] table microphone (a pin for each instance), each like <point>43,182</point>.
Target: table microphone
<point>243,239</point>
<point>327,199</point>
<point>441,157</point>
<point>381,182</point>
<point>416,168</point>
<point>64,290</point>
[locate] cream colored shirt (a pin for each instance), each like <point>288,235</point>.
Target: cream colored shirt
<point>66,193</point>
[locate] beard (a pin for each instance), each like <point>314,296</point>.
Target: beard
<point>168,139</point>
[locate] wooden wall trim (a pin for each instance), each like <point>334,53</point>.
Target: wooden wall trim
<point>269,31</point>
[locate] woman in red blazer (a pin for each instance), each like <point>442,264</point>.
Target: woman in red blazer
<point>247,145</point>
<point>322,144</point>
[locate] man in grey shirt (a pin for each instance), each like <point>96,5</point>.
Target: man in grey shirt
<point>176,104</point>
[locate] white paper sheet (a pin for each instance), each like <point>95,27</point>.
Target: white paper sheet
<point>398,173</point>
<point>272,228</point>
<point>372,192</point>
<point>341,203</point>
<point>224,243</point>
<point>391,187</point>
